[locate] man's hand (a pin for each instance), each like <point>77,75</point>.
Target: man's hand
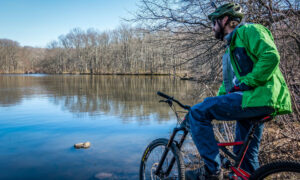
<point>240,87</point>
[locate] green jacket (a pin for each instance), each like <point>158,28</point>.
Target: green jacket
<point>255,61</point>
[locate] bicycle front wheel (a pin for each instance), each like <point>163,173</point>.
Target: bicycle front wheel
<point>152,156</point>
<point>278,170</point>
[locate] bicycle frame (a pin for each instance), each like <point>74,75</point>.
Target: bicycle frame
<point>237,158</point>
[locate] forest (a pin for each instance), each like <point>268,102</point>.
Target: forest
<point>125,50</point>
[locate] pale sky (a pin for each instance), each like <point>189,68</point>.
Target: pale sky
<point>37,22</point>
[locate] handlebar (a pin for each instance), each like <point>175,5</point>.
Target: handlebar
<point>186,107</point>
<point>164,95</point>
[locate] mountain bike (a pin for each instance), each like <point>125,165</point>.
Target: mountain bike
<point>163,158</point>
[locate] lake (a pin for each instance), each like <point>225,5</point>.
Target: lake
<point>43,116</point>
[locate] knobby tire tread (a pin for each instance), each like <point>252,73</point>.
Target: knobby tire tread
<point>275,167</point>
<point>176,152</point>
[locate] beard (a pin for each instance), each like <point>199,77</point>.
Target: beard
<point>219,34</point>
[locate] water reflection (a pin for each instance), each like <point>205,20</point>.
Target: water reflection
<point>126,96</point>
<point>14,88</point>
<point>43,116</point>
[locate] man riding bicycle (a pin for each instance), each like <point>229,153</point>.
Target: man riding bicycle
<point>253,86</point>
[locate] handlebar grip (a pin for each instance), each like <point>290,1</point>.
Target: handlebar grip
<point>163,95</point>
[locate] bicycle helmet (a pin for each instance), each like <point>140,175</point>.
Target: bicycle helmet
<point>233,10</point>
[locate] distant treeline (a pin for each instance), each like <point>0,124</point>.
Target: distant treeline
<point>121,51</point>
<point>17,59</point>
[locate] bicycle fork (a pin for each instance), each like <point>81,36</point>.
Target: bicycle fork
<point>158,171</point>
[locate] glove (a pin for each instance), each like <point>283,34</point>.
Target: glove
<point>240,87</point>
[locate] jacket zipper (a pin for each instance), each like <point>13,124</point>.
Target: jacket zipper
<point>236,64</point>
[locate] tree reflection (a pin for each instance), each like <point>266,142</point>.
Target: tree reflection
<point>130,97</point>
<point>125,96</point>
<point>13,88</point>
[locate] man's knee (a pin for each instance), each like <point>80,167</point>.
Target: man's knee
<point>199,112</point>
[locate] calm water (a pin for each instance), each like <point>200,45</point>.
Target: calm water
<point>43,116</point>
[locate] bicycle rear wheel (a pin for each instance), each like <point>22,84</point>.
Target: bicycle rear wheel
<point>278,170</point>
<point>151,159</point>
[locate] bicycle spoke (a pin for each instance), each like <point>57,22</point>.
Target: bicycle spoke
<point>152,163</point>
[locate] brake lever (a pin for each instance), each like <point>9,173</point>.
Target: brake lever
<point>168,101</point>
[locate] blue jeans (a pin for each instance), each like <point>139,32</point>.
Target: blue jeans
<point>226,107</point>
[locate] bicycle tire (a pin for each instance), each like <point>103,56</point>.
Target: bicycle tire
<point>174,152</point>
<point>277,168</point>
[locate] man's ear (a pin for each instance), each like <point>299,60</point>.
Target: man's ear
<point>224,20</point>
